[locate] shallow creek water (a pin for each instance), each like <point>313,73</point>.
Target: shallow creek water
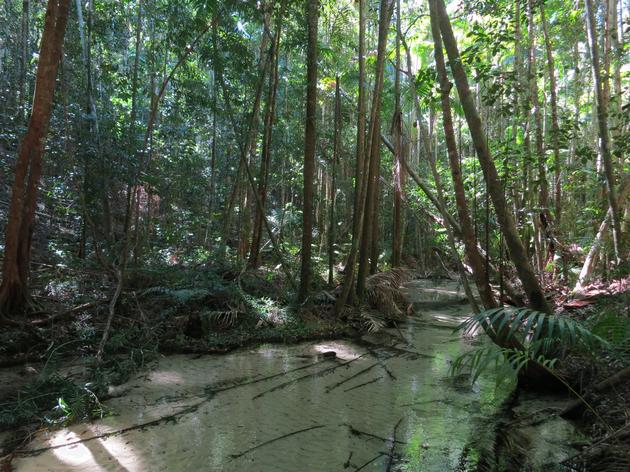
<point>385,402</point>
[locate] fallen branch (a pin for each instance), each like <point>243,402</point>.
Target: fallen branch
<point>284,436</point>
<point>380,454</point>
<point>364,384</point>
<point>341,382</point>
<point>63,314</point>
<point>393,446</point>
<point>316,374</point>
<point>356,432</point>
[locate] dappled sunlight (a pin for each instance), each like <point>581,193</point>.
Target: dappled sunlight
<point>123,452</point>
<point>77,455</point>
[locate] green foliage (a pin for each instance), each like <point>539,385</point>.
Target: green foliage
<point>52,399</point>
<point>539,332</point>
<point>543,337</point>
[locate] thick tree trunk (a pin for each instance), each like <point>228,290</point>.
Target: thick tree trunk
<point>14,294</point>
<point>310,137</point>
<point>506,222</point>
<point>475,259</point>
<point>602,118</point>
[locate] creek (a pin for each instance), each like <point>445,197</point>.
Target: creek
<point>384,402</point>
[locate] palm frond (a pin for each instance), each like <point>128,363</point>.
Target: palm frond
<point>539,331</point>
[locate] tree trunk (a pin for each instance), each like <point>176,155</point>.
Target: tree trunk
<point>555,127</point>
<point>14,295</point>
<point>360,175</point>
<point>265,159</point>
<point>397,133</point>
<point>23,60</point>
<point>310,138</point>
<point>374,146</point>
<point>506,222</point>
<point>602,118</point>
<point>591,258</point>
<point>475,259</point>
<point>333,189</point>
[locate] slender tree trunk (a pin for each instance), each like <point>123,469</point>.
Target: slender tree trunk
<point>543,187</point>
<point>360,174</point>
<point>475,259</point>
<point>333,190</point>
<point>14,295</point>
<point>310,138</point>
<point>555,127</point>
<point>602,118</point>
<point>506,222</point>
<point>24,48</point>
<point>591,258</point>
<point>374,146</point>
<point>265,160</point>
<point>397,133</point>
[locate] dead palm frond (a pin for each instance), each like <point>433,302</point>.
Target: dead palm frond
<point>384,293</point>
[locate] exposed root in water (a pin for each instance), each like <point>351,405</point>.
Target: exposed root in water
<point>284,436</point>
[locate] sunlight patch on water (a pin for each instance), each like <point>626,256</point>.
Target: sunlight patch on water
<point>76,455</point>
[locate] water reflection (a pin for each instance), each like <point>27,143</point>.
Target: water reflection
<point>287,408</point>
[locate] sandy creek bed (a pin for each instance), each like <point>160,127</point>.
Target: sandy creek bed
<point>384,403</point>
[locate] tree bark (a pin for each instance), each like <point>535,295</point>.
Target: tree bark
<point>475,259</point>
<point>374,146</point>
<point>333,189</point>
<point>506,222</point>
<point>310,138</point>
<point>397,133</point>
<point>555,127</point>
<point>265,159</point>
<point>602,119</point>
<point>14,295</point>
<point>360,175</point>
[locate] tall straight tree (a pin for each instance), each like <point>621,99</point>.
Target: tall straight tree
<point>495,188</point>
<point>397,132</point>
<point>310,137</point>
<point>360,182</point>
<point>14,294</point>
<point>265,159</point>
<point>374,147</point>
<point>555,127</point>
<point>602,121</point>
